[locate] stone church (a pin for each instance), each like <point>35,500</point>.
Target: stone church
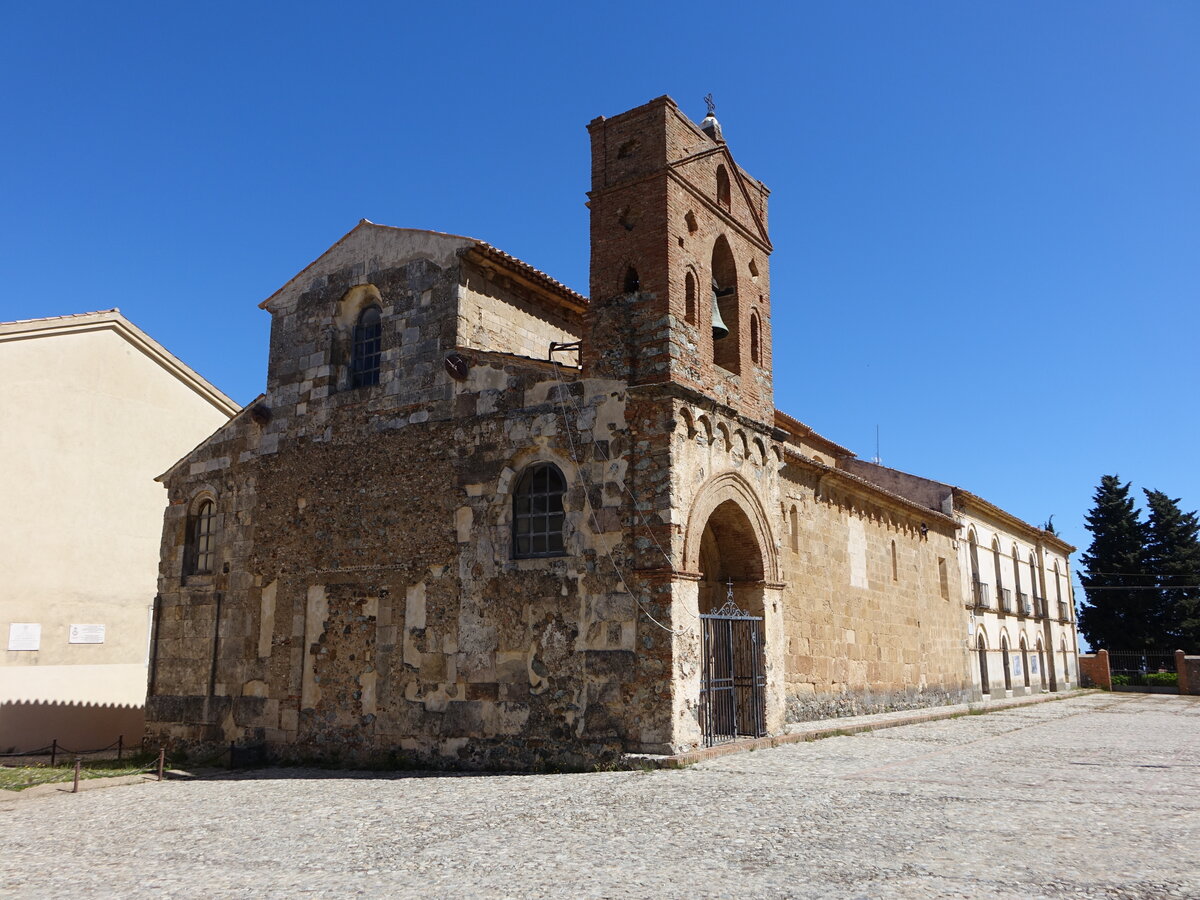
<point>480,520</point>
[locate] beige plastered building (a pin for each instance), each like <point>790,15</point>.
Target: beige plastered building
<point>92,411</point>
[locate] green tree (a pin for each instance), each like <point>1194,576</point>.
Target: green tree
<point>1171,557</point>
<point>1114,614</point>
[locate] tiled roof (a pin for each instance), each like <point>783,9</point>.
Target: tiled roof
<point>536,275</point>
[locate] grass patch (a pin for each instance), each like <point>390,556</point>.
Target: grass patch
<point>17,778</point>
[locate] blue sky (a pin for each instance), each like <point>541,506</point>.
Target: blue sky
<point>985,214</point>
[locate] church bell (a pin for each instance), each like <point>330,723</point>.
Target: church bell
<point>720,329</point>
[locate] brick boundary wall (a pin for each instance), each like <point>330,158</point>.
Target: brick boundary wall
<point>1188,669</point>
<point>1094,671</point>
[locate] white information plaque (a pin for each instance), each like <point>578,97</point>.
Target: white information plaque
<point>24,636</point>
<point>86,634</point>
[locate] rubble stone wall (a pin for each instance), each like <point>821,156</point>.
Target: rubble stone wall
<point>365,605</point>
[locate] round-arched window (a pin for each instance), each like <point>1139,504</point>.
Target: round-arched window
<point>538,512</point>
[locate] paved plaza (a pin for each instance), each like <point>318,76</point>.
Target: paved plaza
<point>1096,796</point>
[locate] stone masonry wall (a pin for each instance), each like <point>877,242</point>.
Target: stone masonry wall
<point>867,631</point>
<point>365,605</point>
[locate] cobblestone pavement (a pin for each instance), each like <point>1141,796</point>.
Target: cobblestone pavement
<point>1095,796</point>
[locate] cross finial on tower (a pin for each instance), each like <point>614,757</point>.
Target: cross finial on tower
<point>710,103</point>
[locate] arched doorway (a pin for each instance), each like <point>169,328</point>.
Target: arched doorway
<point>1041,661</point>
<point>729,552</point>
<point>1025,660</point>
<point>1004,661</point>
<point>733,679</point>
<point>981,646</point>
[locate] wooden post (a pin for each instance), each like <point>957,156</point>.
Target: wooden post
<point>53,751</point>
<point>78,762</point>
<point>120,744</point>
<point>162,753</point>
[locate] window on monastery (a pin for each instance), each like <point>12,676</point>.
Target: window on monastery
<point>367,349</point>
<point>1022,599</point>
<point>723,187</point>
<point>794,529</point>
<point>199,542</point>
<point>538,512</point>
<point>895,564</point>
<point>632,284</point>
<point>1038,601</point>
<point>943,578</point>
<point>1002,594</point>
<point>689,298</point>
<point>755,351</point>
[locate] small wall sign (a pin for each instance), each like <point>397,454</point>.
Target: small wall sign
<point>86,634</point>
<point>24,636</point>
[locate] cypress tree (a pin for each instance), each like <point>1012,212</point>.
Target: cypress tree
<point>1172,559</point>
<point>1113,617</point>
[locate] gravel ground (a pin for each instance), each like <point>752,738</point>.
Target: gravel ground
<point>1096,796</point>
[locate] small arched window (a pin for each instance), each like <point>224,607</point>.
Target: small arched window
<point>722,187</point>
<point>755,350</point>
<point>199,543</point>
<point>367,348</point>
<point>633,284</point>
<point>538,512</point>
<point>689,298</point>
<point>794,529</point>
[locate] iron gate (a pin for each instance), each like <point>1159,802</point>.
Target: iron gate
<point>1147,671</point>
<point>732,683</point>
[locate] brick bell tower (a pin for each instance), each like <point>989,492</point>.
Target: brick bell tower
<point>680,271</point>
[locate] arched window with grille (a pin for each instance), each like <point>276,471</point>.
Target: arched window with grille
<point>367,348</point>
<point>538,512</point>
<point>200,540</point>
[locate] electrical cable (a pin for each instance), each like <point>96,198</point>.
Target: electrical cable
<point>592,512</point>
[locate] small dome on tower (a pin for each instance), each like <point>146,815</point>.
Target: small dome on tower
<point>710,125</point>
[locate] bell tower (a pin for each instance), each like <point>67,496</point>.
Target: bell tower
<point>680,272</point>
